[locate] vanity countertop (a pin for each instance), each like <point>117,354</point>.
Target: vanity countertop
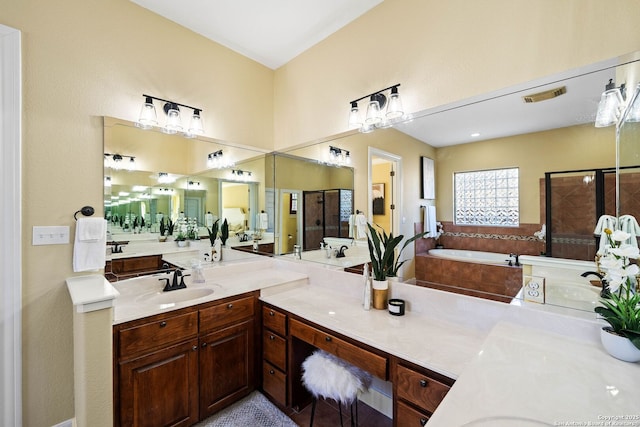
<point>142,296</point>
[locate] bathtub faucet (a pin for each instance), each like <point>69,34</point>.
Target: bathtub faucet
<point>517,259</point>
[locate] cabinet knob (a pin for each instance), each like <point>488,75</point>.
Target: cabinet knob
<point>271,337</point>
<point>423,383</point>
<point>229,306</point>
<point>194,348</point>
<point>271,313</point>
<point>163,324</point>
<point>271,371</point>
<point>203,345</point>
<point>327,339</point>
<point>423,421</point>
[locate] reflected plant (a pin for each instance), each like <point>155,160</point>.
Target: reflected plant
<point>213,232</point>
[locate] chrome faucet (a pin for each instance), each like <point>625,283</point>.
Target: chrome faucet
<point>517,259</point>
<point>604,293</point>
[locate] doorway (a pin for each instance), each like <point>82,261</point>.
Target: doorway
<point>384,184</point>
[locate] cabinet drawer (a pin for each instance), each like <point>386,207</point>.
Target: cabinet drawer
<point>157,333</point>
<point>274,383</point>
<point>409,417</point>
<point>275,349</point>
<point>419,389</point>
<point>370,362</point>
<point>274,320</point>
<point>225,313</point>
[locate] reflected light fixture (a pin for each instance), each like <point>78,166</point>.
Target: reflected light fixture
<point>610,106</point>
<point>633,111</point>
<point>339,156</point>
<point>117,162</point>
<point>173,125</point>
<point>165,178</point>
<point>241,174</point>
<point>215,160</point>
<point>377,116</point>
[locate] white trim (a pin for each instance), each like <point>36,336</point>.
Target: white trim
<point>11,223</point>
<point>397,186</point>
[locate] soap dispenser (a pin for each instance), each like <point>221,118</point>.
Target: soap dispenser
<point>198,276</point>
<point>367,288</point>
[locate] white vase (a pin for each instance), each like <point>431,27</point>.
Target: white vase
<point>618,346</point>
<point>181,243</point>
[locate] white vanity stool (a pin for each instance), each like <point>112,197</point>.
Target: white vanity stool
<point>329,377</point>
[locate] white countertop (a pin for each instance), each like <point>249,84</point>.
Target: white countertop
<point>542,376</point>
<point>91,292</point>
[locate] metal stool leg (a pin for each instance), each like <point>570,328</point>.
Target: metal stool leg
<point>340,409</point>
<point>313,411</point>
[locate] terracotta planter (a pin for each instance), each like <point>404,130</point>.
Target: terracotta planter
<point>618,346</point>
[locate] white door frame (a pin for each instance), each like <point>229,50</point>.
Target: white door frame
<point>397,186</point>
<point>11,224</point>
<point>299,216</point>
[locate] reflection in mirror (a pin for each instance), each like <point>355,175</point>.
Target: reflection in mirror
<point>174,179</point>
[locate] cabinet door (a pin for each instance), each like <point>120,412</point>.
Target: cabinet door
<point>160,389</point>
<point>227,370</point>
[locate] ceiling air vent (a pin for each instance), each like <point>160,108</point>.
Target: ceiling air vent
<point>547,94</point>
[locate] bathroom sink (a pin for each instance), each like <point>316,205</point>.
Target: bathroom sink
<point>506,421</point>
<point>174,297</point>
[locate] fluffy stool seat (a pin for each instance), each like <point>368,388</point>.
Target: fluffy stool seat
<point>329,377</point>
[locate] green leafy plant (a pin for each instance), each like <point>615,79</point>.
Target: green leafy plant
<point>163,228</point>
<point>381,251</point>
<point>622,309</point>
<point>170,228</point>
<point>224,231</point>
<point>213,232</point>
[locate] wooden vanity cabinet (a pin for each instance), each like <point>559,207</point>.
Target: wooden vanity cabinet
<point>227,354</point>
<point>176,368</point>
<point>418,392</point>
<point>274,355</point>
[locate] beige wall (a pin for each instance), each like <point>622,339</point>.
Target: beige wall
<point>86,59</point>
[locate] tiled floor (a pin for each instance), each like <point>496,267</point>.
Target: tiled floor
<point>327,415</point>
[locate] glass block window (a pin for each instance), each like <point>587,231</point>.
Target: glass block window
<point>487,197</point>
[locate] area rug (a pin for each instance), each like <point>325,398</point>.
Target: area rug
<point>254,410</point>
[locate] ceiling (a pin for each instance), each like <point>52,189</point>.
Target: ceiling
<point>270,32</point>
<point>274,32</point>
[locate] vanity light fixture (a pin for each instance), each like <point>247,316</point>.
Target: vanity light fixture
<point>117,162</point>
<point>173,125</point>
<point>241,174</point>
<point>611,104</point>
<point>196,183</point>
<point>377,116</point>
<point>339,156</point>
<point>107,181</point>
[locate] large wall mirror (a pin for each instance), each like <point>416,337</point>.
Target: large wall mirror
<point>280,181</point>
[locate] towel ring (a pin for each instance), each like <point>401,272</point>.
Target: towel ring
<point>86,211</point>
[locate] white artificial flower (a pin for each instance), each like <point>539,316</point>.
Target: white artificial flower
<point>620,236</point>
<point>627,251</point>
<point>611,263</point>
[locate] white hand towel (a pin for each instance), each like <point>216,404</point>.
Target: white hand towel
<point>628,224</point>
<point>605,221</point>
<point>263,221</point>
<point>361,226</point>
<point>90,254</point>
<point>352,223</point>
<point>430,221</point>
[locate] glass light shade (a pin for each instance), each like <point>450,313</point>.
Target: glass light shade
<point>633,115</point>
<point>148,118</point>
<point>131,164</point>
<point>174,124</point>
<point>608,108</point>
<point>195,127</point>
<point>354,116</point>
<point>394,107</point>
<point>374,114</point>
<point>367,128</point>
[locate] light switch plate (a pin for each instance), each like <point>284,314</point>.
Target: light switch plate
<point>533,289</point>
<point>51,235</point>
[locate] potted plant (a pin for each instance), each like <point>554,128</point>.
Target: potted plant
<point>163,230</point>
<point>224,232</point>
<point>213,232</point>
<point>384,262</point>
<point>622,309</point>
